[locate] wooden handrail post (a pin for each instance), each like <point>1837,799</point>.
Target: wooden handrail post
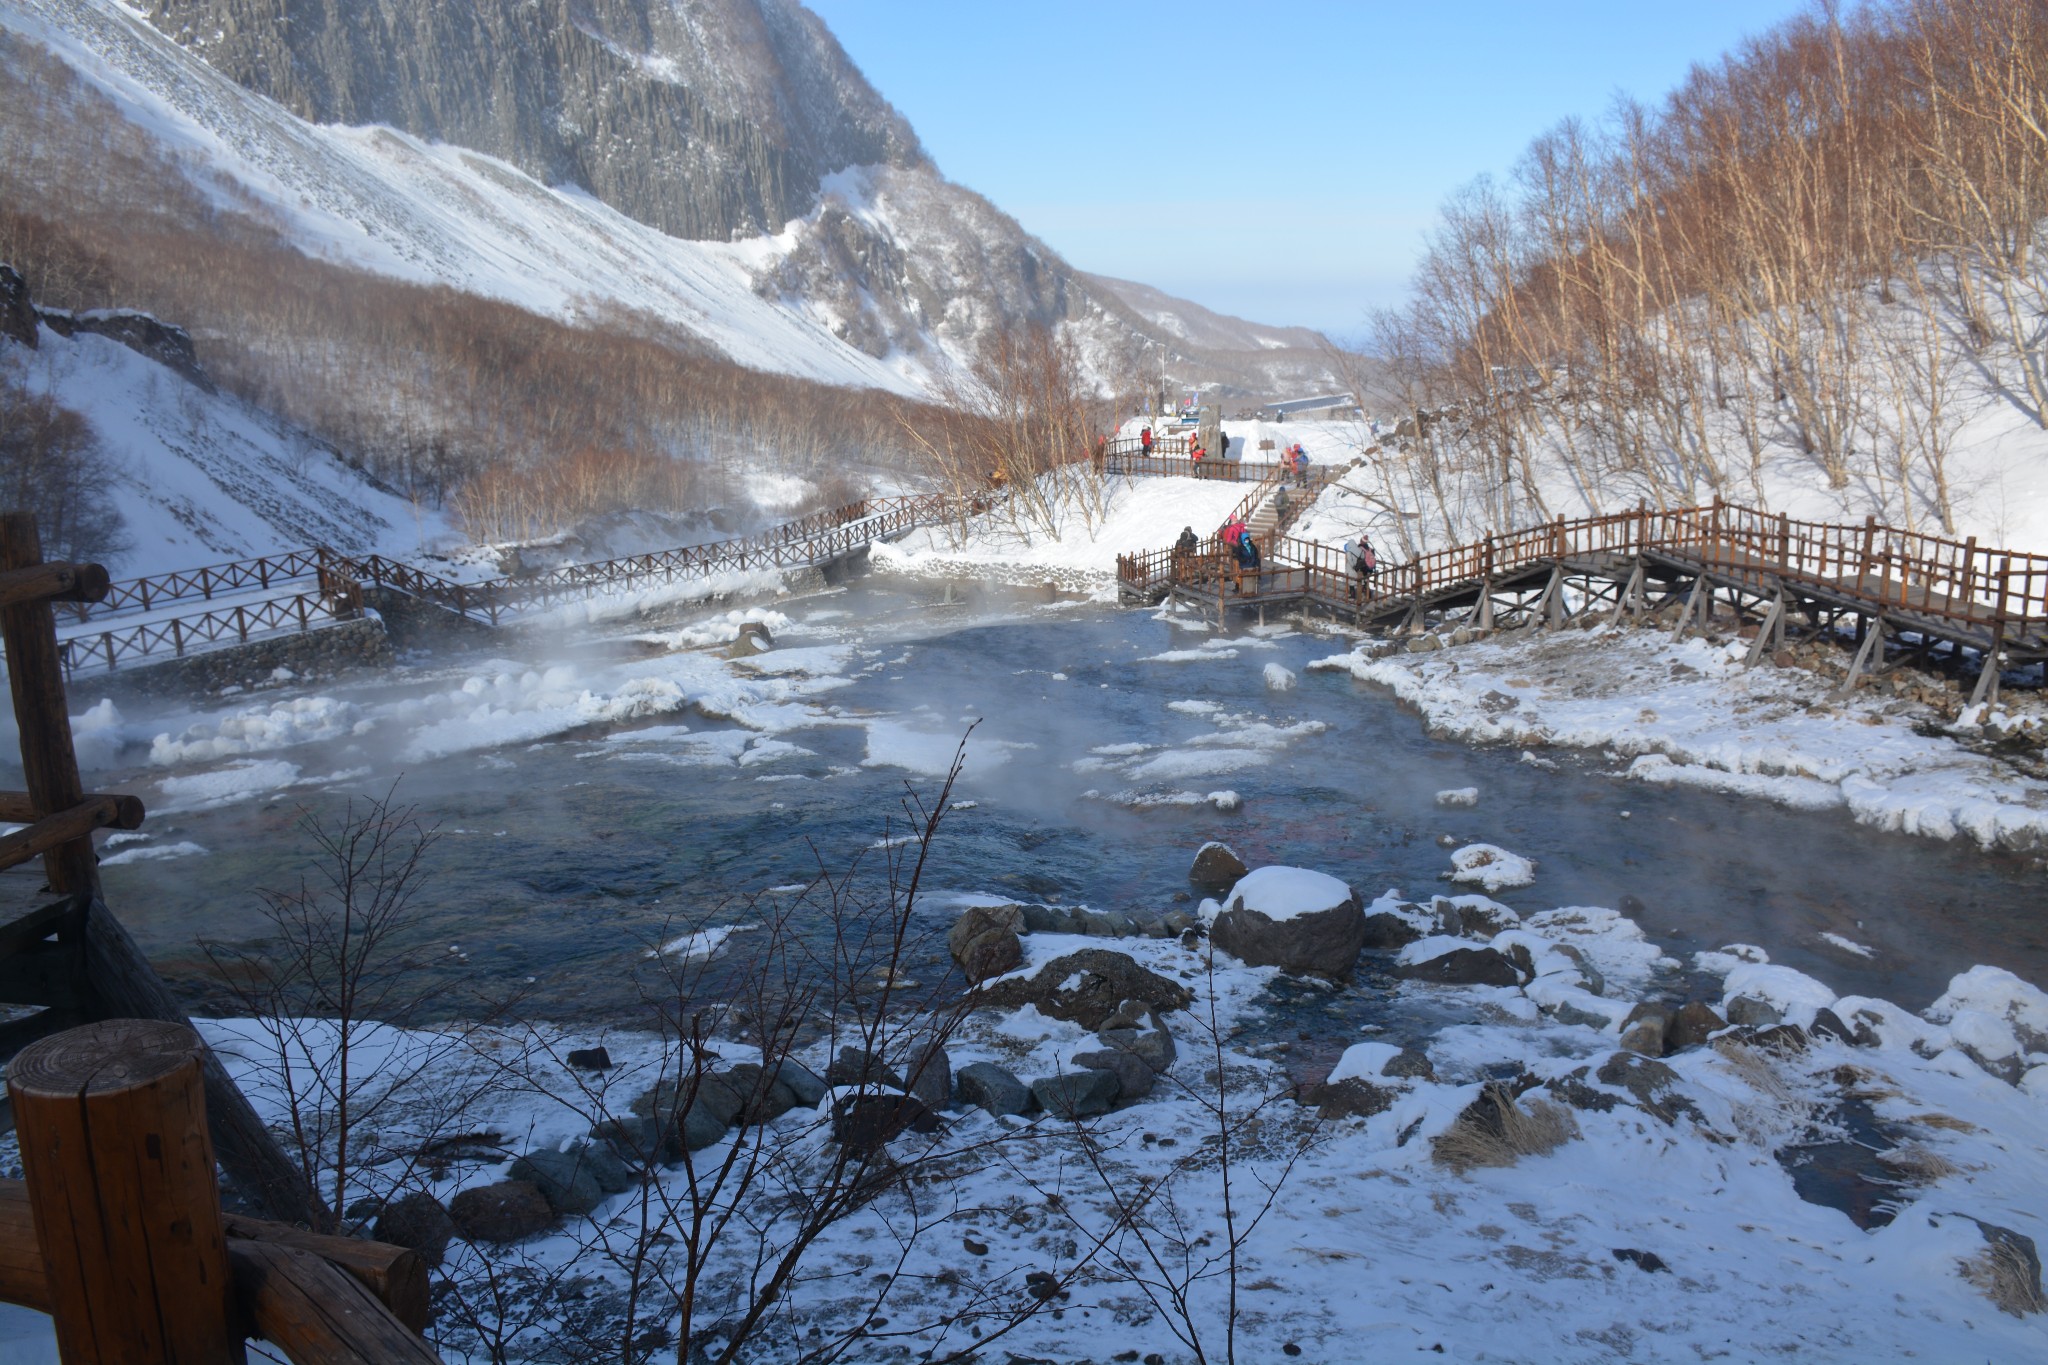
<point>35,675</point>
<point>114,1144</point>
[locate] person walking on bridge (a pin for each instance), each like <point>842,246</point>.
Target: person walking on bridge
<point>1145,442</point>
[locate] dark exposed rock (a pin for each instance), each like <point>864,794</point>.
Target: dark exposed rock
<point>856,1066</point>
<point>418,1223</point>
<point>1828,1024</point>
<point>1102,980</point>
<point>1653,1085</point>
<point>1352,1097</point>
<point>169,346</point>
<point>691,1117</point>
<point>1463,967</point>
<point>1573,1090</point>
<point>1216,867</point>
<point>866,1122</point>
<point>2025,1257</point>
<point>1472,921</point>
<point>994,1088</point>
<point>1409,1064</point>
<point>1076,1094</point>
<point>590,1059</point>
<point>1154,1046</point>
<point>17,312</point>
<point>1595,983</point>
<point>504,1212</point>
<point>1692,1025</point>
<point>1643,1260</point>
<point>1384,929</point>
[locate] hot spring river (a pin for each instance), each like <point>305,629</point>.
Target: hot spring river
<point>562,860</point>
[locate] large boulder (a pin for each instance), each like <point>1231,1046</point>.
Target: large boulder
<point>1087,987</point>
<point>1292,918</point>
<point>1134,1076</point>
<point>763,1098</point>
<point>1693,1024</point>
<point>691,1117</point>
<point>985,942</point>
<point>507,1211</point>
<point>857,1066</point>
<point>1216,866</point>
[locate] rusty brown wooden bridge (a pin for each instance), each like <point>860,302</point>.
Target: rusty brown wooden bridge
<point>1920,594</point>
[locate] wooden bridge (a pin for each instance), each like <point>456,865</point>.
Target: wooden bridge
<point>174,614</point>
<point>1920,593</point>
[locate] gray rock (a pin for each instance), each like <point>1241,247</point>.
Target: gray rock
<point>2025,1257</point>
<point>690,1117</point>
<point>634,1141</point>
<point>1754,1013</point>
<point>1565,1012</point>
<point>1693,1024</point>
<point>590,1059</point>
<point>1573,1089</point>
<point>1076,1094</point>
<point>507,1211</point>
<point>564,1179</point>
<point>763,1098</point>
<point>1134,1077</point>
<point>1472,921</point>
<point>613,1175</point>
<point>1464,967</point>
<point>994,1088</point>
<point>1408,1064</point>
<point>1589,975</point>
<point>1153,1046</point>
<point>804,1084</point>
<point>931,1075</point>
<point>1216,867</point>
<point>1102,979</point>
<point>984,941</point>
<point>418,1223</point>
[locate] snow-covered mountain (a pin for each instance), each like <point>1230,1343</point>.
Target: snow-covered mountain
<point>718,167</point>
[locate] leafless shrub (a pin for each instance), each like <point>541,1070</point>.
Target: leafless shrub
<point>1918,1164</point>
<point>1498,1129</point>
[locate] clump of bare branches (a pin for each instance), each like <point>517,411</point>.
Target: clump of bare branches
<point>329,993</point>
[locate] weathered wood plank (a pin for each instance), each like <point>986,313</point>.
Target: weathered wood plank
<point>54,583</point>
<point>318,1315</point>
<point>16,808</point>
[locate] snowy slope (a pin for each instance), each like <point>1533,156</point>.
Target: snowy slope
<point>202,478</point>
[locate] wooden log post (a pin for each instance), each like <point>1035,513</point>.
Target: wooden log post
<point>114,1144</point>
<point>36,678</point>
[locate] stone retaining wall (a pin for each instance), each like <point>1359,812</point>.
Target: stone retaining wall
<point>318,653</point>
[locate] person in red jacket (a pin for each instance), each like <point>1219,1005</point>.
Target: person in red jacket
<point>1145,443</point>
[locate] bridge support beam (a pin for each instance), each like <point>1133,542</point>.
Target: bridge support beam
<point>1630,602</point>
<point>1873,642</point>
<point>1699,589</point>
<point>1771,634</point>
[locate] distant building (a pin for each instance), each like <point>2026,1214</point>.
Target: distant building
<point>1335,406</point>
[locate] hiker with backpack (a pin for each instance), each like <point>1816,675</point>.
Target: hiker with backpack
<point>1364,564</point>
<point>1184,551</point>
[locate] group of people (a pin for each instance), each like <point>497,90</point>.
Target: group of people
<point>1237,543</point>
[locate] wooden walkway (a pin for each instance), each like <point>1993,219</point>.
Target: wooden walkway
<point>1921,593</point>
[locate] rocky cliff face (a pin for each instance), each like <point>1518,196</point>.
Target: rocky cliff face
<point>704,118</point>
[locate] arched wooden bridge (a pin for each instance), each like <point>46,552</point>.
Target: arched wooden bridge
<point>1918,594</point>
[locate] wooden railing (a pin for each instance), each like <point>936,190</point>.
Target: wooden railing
<point>174,635</point>
<point>1871,564</point>
<point>148,594</point>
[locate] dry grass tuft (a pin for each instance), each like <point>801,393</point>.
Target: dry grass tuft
<point>1953,1125</point>
<point>2004,1275</point>
<point>1498,1130</point>
<point>1918,1165</point>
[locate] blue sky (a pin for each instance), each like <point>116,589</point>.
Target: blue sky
<point>1276,159</point>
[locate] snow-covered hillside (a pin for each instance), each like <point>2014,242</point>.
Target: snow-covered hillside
<point>202,477</point>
